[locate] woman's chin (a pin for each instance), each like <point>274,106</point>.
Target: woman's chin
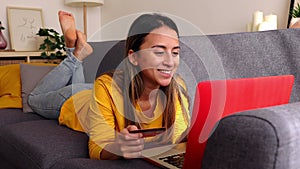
<point>165,83</point>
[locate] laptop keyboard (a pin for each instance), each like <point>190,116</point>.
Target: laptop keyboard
<point>175,160</point>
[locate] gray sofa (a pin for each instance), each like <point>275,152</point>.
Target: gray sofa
<point>262,138</point>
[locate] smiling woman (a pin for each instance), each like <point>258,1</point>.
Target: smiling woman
<point>145,93</point>
<point>158,57</point>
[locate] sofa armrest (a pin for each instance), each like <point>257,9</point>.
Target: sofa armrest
<point>261,138</point>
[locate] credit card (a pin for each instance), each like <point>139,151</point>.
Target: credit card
<point>149,132</point>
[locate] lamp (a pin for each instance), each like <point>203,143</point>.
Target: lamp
<point>84,3</point>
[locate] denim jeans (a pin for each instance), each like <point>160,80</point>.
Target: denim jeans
<point>57,86</point>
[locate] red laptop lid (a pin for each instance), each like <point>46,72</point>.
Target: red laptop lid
<point>217,99</point>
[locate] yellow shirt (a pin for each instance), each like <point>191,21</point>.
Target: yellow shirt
<point>100,114</point>
<point>74,111</point>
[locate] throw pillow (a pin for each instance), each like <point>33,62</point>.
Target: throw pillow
<point>10,86</point>
<point>31,74</point>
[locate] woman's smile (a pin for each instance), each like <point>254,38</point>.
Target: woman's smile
<point>165,73</point>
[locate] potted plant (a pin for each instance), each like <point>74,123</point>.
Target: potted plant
<point>53,44</point>
<point>295,14</point>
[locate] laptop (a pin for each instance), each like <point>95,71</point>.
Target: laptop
<point>214,100</point>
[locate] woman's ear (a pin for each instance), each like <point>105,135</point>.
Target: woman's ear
<point>132,57</point>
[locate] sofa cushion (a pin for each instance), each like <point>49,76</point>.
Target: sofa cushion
<point>9,116</point>
<point>106,56</point>
<point>10,86</point>
<point>266,53</point>
<point>31,74</point>
<point>261,138</point>
<point>5,165</point>
<point>40,144</point>
<point>81,163</point>
<point>234,55</point>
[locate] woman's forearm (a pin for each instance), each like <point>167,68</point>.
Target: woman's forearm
<point>110,152</point>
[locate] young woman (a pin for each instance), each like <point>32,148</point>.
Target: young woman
<point>144,93</point>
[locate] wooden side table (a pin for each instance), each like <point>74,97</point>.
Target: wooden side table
<point>14,57</point>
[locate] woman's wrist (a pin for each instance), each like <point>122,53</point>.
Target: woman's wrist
<point>110,152</point>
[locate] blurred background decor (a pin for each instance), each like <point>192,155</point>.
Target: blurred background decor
<point>294,15</point>
<point>52,44</point>
<point>262,23</point>
<point>23,23</point>
<point>84,4</point>
<point>3,42</point>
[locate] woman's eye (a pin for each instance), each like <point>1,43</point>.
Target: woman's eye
<point>175,53</point>
<point>159,53</point>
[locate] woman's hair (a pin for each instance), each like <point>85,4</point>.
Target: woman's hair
<point>142,26</point>
<point>132,79</point>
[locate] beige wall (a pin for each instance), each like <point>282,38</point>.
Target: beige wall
<point>50,9</point>
<point>113,19</point>
<point>211,17</point>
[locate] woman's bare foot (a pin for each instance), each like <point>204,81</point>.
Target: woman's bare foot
<point>67,24</point>
<point>83,49</point>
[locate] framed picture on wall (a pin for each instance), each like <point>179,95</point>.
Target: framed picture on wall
<point>23,24</point>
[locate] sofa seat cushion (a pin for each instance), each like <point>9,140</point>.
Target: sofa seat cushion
<point>84,163</point>
<point>40,144</point>
<point>9,116</point>
<point>4,164</point>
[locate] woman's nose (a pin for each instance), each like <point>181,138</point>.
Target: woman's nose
<point>168,59</point>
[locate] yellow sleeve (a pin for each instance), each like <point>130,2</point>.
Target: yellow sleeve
<point>102,118</point>
<point>94,150</point>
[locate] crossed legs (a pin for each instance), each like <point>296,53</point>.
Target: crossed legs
<point>67,78</point>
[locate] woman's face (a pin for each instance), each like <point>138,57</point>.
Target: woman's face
<point>158,57</point>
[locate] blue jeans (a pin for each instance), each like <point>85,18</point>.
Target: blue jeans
<point>57,86</point>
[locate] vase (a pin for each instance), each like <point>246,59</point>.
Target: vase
<point>295,23</point>
<point>3,42</point>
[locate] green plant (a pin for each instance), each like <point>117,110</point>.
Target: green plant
<point>295,13</point>
<point>53,45</point>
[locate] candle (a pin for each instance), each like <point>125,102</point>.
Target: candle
<point>264,26</point>
<point>258,17</point>
<point>249,27</point>
<point>272,19</point>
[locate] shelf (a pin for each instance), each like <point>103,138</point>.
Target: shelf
<point>30,56</point>
<point>19,54</point>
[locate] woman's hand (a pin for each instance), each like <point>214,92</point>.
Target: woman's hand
<point>126,145</point>
<point>130,144</point>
